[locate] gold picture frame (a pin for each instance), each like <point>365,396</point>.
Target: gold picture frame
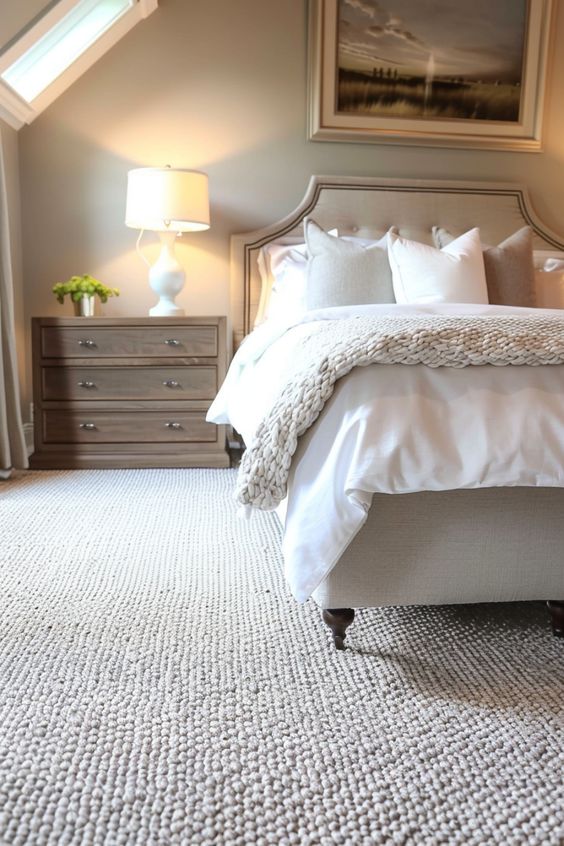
<point>328,122</point>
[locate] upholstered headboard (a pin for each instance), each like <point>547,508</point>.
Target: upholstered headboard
<point>367,207</point>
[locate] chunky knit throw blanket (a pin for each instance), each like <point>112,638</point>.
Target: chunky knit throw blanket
<point>333,348</point>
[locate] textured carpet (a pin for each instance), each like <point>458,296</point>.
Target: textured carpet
<point>158,685</point>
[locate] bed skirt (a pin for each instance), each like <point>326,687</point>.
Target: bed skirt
<point>462,546</point>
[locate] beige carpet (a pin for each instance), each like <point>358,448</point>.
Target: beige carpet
<point>158,685</point>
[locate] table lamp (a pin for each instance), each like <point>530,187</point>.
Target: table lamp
<point>168,201</point>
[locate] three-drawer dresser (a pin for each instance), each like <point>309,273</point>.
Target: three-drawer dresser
<point>127,392</point>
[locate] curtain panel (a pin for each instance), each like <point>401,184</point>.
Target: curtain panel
<point>13,452</point>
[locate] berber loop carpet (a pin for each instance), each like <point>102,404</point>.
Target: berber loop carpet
<point>158,685</point>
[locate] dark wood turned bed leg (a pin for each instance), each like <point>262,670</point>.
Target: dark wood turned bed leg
<point>556,608</point>
<point>338,620</point>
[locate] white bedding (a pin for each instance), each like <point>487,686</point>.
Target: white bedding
<point>395,429</point>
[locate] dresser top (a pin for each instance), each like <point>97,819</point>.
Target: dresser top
<point>192,320</point>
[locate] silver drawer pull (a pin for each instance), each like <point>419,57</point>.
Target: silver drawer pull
<point>171,383</point>
<point>86,342</point>
<point>173,426</point>
<point>88,426</point>
<point>172,342</point>
<point>84,383</point>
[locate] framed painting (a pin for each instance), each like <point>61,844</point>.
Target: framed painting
<point>432,72</point>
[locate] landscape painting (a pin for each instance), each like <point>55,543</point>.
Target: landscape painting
<point>438,59</point>
<point>443,72</point>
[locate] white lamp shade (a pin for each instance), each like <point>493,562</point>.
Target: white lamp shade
<point>164,199</point>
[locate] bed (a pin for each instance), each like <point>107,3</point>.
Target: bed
<point>480,534</point>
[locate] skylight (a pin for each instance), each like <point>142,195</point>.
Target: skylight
<point>60,47</point>
<point>57,48</point>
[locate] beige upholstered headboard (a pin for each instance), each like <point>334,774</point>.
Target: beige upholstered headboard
<point>367,207</point>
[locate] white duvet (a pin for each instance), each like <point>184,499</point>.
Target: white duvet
<point>395,429</point>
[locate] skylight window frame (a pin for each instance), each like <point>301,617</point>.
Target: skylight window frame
<point>16,110</point>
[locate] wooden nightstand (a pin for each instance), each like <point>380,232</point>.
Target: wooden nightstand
<point>127,392</point>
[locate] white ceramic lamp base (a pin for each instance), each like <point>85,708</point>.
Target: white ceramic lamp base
<point>166,278</point>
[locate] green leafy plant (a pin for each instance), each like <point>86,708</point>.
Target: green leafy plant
<point>83,286</point>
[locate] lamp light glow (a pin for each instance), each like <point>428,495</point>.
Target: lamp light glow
<point>168,201</point>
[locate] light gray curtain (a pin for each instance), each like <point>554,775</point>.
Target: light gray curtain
<point>12,443</point>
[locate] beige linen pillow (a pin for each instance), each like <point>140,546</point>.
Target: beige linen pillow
<point>510,272</point>
<point>342,272</point>
<point>283,272</point>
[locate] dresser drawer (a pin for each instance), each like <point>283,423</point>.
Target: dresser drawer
<point>127,391</point>
<point>128,341</point>
<point>129,383</point>
<point>120,427</point>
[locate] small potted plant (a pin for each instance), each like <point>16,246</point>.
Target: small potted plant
<point>82,291</point>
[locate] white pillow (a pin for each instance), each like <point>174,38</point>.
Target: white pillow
<point>288,266</point>
<point>267,303</point>
<point>510,274</point>
<point>548,259</point>
<point>424,274</point>
<point>552,264</point>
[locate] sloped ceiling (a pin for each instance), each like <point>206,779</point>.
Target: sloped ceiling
<point>29,19</point>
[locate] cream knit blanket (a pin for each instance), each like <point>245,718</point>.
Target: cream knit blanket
<point>334,347</point>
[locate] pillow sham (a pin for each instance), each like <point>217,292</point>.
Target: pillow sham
<point>288,269</point>
<point>425,274</point>
<point>345,271</point>
<point>282,268</point>
<point>510,272</point>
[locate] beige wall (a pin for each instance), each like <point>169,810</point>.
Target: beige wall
<point>17,14</point>
<point>219,86</point>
